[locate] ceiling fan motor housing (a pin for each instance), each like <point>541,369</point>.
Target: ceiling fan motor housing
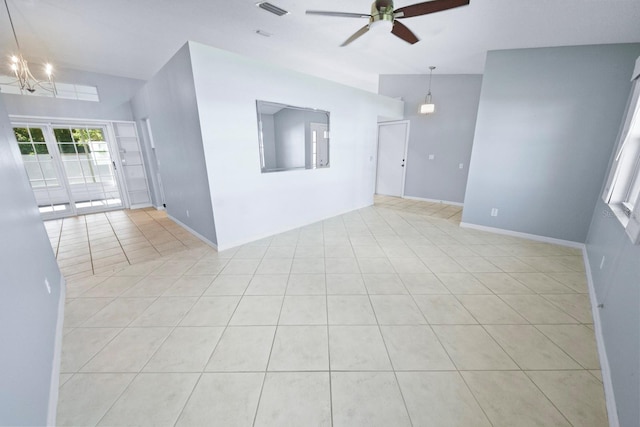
<point>381,11</point>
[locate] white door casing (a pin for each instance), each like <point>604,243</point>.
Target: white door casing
<point>392,155</point>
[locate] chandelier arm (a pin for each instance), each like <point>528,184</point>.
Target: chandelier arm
<point>6,5</point>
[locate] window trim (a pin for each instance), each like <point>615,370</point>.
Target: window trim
<point>616,197</point>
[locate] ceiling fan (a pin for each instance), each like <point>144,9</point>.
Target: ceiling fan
<point>382,13</point>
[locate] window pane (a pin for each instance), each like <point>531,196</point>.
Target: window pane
<point>96,135</point>
<point>52,183</point>
<point>22,134</point>
<point>67,148</point>
<point>48,170</point>
<point>26,149</point>
<point>63,135</point>
<point>33,170</point>
<point>37,184</point>
<point>41,148</point>
<point>83,148</point>
<point>37,135</point>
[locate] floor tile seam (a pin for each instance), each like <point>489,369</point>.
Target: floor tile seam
<point>397,382</point>
<point>118,397</point>
<point>140,231</point>
<point>547,397</point>
<point>79,370</point>
<point>577,321</point>
<point>93,270</point>
<point>326,305</point>
<point>58,239</point>
<point>477,400</point>
<point>118,239</point>
<point>559,307</point>
<point>275,332</point>
<point>536,326</point>
<point>186,402</point>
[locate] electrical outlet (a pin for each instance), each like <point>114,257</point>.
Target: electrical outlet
<point>494,212</point>
<point>461,166</point>
<point>188,214</point>
<point>602,263</point>
<point>46,283</point>
<point>432,156</point>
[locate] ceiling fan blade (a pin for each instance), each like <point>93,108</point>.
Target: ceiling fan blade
<point>428,7</point>
<point>356,35</point>
<point>338,14</point>
<point>401,30</point>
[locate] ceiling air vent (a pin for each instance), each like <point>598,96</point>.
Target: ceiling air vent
<point>272,8</point>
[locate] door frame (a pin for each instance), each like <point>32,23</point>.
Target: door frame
<point>114,152</point>
<point>406,148</point>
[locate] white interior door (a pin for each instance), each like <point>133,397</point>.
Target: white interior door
<point>392,152</point>
<point>320,145</point>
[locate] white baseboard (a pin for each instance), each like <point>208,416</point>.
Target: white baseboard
<point>192,231</point>
<point>444,202</point>
<point>54,385</point>
<point>535,237</point>
<point>607,382</point>
<point>141,206</point>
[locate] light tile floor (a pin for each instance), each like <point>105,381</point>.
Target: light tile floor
<point>104,242</point>
<point>380,317</point>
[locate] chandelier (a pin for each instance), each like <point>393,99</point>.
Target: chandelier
<point>20,69</point>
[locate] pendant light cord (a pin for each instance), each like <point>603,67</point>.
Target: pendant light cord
<point>12,27</point>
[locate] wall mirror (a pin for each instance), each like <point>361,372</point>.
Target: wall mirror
<point>292,137</point>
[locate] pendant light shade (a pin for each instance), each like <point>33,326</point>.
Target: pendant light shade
<point>428,107</point>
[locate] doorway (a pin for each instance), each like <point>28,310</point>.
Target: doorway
<point>70,167</point>
<point>319,145</point>
<point>392,155</point>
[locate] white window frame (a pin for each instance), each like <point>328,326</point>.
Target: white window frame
<point>625,170</point>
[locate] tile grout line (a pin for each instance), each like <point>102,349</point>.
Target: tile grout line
<point>457,370</point>
<point>275,332</point>
<point>395,375</point>
<point>215,347</point>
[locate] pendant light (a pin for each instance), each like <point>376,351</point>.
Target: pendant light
<point>428,107</point>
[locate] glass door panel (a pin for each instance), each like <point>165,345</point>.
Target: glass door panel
<point>44,175</point>
<point>87,163</point>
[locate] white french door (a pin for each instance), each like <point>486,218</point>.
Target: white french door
<point>70,167</point>
<point>392,156</point>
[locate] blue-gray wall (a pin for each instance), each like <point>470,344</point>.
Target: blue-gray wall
<point>547,122</point>
<point>169,101</point>
<point>617,286</point>
<point>114,92</point>
<point>447,134</point>
<point>28,311</point>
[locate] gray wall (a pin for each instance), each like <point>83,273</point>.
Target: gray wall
<point>616,286</point>
<point>447,134</point>
<point>269,140</point>
<point>169,100</point>
<point>114,92</point>
<point>290,139</point>
<point>547,122</point>
<point>28,311</point>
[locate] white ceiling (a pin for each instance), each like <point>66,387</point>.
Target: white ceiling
<point>134,38</point>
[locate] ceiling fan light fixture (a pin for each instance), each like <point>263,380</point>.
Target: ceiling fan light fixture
<point>428,107</point>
